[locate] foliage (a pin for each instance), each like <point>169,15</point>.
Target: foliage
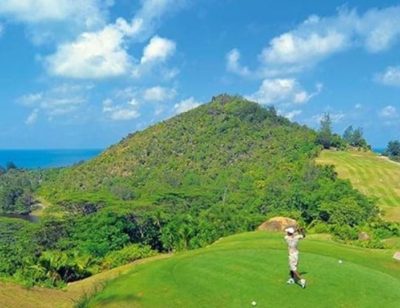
<point>126,255</point>
<point>325,132</point>
<point>17,190</point>
<point>393,150</point>
<point>354,137</point>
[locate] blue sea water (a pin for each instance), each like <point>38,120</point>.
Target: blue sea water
<point>34,159</point>
<point>378,150</point>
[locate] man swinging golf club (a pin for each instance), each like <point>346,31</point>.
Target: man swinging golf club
<point>292,239</point>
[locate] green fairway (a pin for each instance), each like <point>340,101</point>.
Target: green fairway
<point>253,267</point>
<point>371,174</point>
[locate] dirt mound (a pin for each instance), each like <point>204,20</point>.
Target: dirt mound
<point>277,224</point>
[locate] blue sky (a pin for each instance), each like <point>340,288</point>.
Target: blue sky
<point>83,74</point>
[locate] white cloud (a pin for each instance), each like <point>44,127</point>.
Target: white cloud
<point>186,105</point>
<point>379,28</point>
<point>158,50</point>
<point>58,101</point>
<point>158,94</point>
<point>95,54</point>
<point>121,112</point>
<point>287,91</point>
<point>318,38</point>
<point>34,11</point>
<point>299,48</point>
<point>389,112</point>
<point>390,77</point>
<point>233,63</point>
<point>104,53</point>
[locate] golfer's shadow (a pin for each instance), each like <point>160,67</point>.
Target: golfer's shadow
<point>303,273</point>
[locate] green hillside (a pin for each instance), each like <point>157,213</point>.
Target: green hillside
<point>217,170</point>
<point>229,146</point>
<point>249,267</point>
<point>373,175</point>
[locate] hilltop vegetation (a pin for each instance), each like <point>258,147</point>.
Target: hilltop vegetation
<point>219,169</point>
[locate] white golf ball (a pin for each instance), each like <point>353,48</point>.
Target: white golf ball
<point>253,303</point>
<point>340,261</point>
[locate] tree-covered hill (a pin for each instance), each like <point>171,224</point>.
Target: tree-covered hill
<point>227,147</point>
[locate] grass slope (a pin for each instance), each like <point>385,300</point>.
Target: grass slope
<point>13,295</point>
<point>373,175</point>
<point>253,267</point>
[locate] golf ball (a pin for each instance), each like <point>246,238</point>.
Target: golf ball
<point>340,261</point>
<point>253,303</point>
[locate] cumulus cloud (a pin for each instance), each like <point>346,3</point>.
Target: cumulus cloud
<point>390,77</point>
<point>318,38</point>
<point>95,54</point>
<point>155,53</point>
<point>158,49</point>
<point>186,105</point>
<point>158,94</point>
<point>104,53</point>
<point>58,101</point>
<point>282,91</point>
<point>389,112</point>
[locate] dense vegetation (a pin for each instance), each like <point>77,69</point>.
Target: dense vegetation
<point>181,184</point>
<point>17,189</point>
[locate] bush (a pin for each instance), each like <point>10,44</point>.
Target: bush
<point>319,227</point>
<point>345,232</point>
<point>126,255</point>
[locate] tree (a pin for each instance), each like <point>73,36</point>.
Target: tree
<point>325,132</point>
<point>348,134</point>
<point>354,137</point>
<point>393,150</point>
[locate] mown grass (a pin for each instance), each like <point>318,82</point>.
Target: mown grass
<point>253,267</point>
<point>373,175</point>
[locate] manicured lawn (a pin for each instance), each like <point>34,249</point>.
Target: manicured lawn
<point>373,175</point>
<point>253,267</point>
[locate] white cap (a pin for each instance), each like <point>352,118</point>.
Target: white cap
<point>290,230</point>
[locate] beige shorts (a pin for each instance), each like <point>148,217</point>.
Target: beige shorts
<point>293,261</point>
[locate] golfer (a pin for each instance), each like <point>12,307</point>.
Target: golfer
<point>292,239</point>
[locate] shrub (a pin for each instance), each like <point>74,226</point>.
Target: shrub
<point>126,255</point>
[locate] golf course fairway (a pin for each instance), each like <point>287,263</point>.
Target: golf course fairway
<point>373,175</point>
<point>240,269</point>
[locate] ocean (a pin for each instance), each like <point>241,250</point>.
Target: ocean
<point>378,150</point>
<point>35,159</point>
